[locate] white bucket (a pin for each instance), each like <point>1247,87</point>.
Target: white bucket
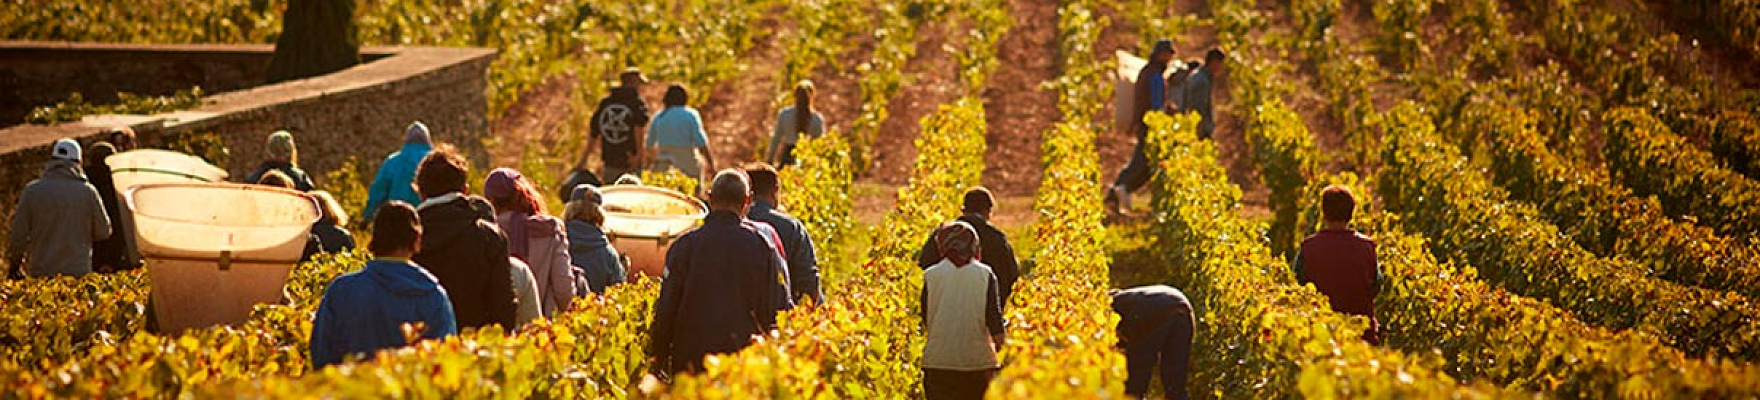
<point>642,221</point>
<point>216,250</point>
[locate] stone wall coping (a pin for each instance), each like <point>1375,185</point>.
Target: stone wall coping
<point>25,47</point>
<point>394,63</point>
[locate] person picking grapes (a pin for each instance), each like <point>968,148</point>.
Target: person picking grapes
<point>1341,262</point>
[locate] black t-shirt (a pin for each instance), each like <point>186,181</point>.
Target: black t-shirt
<point>615,123</point>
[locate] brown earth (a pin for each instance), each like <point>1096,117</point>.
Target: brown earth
<point>839,92</point>
<point>539,117</point>
<point>741,110</point>
<point>931,80</point>
<point>1019,109</point>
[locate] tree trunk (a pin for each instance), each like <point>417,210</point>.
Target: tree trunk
<point>318,37</point>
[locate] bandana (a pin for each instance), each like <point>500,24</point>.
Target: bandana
<point>958,242</point>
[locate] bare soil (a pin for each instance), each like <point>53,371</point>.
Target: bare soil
<point>740,111</point>
<point>932,79</point>
<point>1019,109</point>
<point>539,117</point>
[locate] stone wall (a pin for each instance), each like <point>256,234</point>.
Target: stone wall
<point>34,74</point>
<point>357,113</point>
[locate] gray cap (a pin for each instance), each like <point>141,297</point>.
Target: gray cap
<point>65,149</point>
<point>417,133</point>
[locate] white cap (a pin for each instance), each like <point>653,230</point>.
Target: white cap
<point>65,149</point>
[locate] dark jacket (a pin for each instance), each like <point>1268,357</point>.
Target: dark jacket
<point>301,181</point>
<point>1155,328</point>
<point>332,238</point>
<point>1143,309</point>
<point>994,251</point>
<point>718,292</point>
<point>614,124</point>
<point>1342,265</point>
<point>593,258</point>
<point>364,311</point>
<point>462,247</point>
<point>55,222</point>
<point>113,250</point>
<point>797,246</point>
<point>314,247</point>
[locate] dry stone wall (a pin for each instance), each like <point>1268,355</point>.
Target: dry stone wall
<point>357,113</point>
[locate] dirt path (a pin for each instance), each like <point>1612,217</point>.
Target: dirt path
<point>739,113</point>
<point>932,80</point>
<point>537,119</point>
<point>1114,145</point>
<point>839,95</point>
<point>1018,108</point>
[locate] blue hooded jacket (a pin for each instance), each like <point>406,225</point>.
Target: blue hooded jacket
<point>396,178</point>
<point>364,311</point>
<point>592,255</point>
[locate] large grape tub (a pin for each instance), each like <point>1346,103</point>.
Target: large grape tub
<point>642,221</point>
<point>215,250</point>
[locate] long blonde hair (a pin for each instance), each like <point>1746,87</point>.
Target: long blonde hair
<point>332,209</point>
<point>803,106</point>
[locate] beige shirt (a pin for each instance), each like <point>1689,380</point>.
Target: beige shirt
<point>955,302</point>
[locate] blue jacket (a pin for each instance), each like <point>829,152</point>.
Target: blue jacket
<point>364,311</point>
<point>395,178</point>
<point>797,244</point>
<point>592,256</point>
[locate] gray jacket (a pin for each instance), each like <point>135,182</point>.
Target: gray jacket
<point>1197,97</point>
<point>57,219</point>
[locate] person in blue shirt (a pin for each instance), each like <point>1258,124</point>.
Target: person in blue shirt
<point>797,245</point>
<point>393,182</point>
<point>676,135</point>
<point>365,311</point>
<point>1151,96</point>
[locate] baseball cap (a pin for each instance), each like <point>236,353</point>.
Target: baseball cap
<point>65,149</point>
<point>501,183</point>
<point>633,72</point>
<point>1163,45</point>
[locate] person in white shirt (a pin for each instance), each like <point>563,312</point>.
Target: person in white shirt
<point>962,315</point>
